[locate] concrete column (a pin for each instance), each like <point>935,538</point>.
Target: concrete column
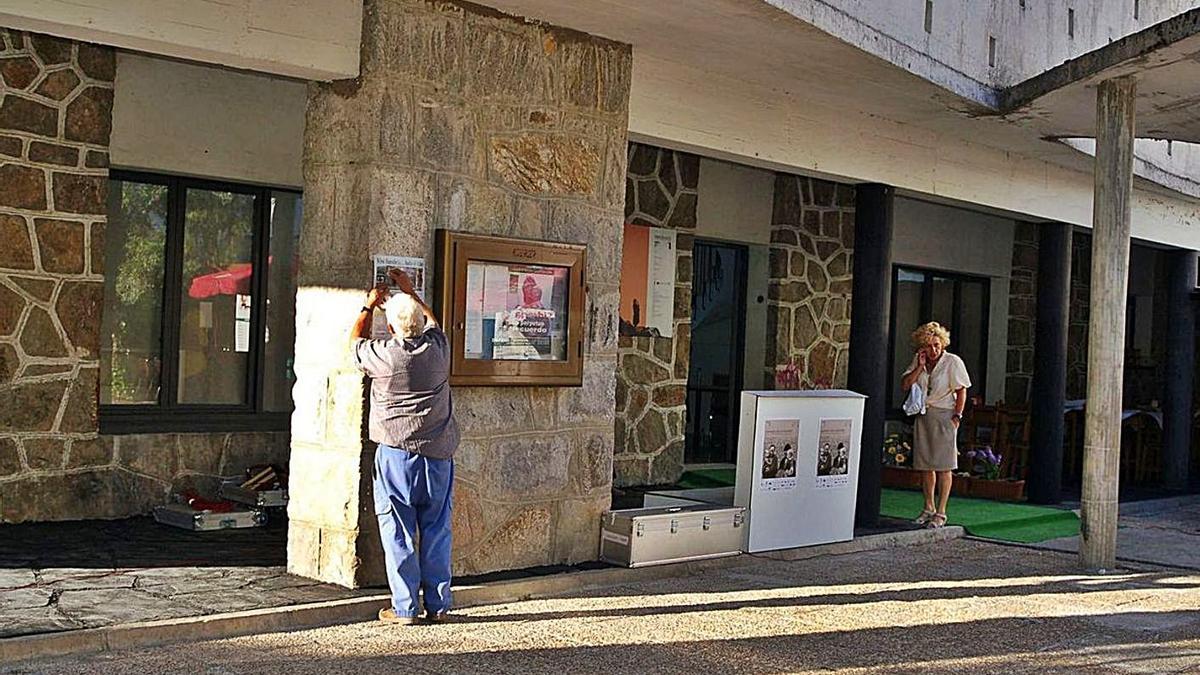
<point>1049,363</point>
<point>1115,130</point>
<point>1181,354</point>
<point>870,303</point>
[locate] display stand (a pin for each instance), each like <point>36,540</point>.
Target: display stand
<point>797,472</point>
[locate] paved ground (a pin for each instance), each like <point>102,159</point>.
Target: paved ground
<point>959,607</point>
<point>1161,531</point>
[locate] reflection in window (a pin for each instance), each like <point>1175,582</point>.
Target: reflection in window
<point>131,328</point>
<point>282,267</point>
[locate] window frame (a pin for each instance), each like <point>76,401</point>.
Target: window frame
<point>978,380</point>
<point>167,414</point>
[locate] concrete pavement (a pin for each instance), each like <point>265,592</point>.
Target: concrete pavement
<point>957,606</point>
<point>1158,531</point>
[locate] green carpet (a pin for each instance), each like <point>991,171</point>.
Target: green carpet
<point>708,478</point>
<point>995,520</point>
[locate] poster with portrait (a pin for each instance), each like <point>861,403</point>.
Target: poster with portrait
<point>781,441</point>
<point>833,453</point>
<point>414,267</point>
<point>516,312</point>
<point>647,281</point>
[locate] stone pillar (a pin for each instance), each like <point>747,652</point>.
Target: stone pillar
<point>470,120</point>
<point>1181,354</point>
<point>1115,131</point>
<point>55,120</point>
<point>869,335</point>
<point>1049,387</point>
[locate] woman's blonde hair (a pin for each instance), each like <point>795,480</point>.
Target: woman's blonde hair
<point>932,330</point>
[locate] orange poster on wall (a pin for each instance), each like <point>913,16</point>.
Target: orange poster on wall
<point>647,281</point>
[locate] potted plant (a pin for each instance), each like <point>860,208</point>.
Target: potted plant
<point>897,462</point>
<point>986,482</point>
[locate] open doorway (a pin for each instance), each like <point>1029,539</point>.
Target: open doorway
<point>717,352</point>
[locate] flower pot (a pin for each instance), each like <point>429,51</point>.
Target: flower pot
<point>999,490</point>
<point>962,485</point>
<point>901,477</point>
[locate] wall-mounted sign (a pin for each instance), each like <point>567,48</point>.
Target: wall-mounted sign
<point>513,309</point>
<point>648,281</point>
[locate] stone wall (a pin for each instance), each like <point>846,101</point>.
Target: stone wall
<point>1077,328</point>
<point>468,120</point>
<point>811,271</point>
<point>1022,314</point>
<point>55,120</point>
<point>652,372</point>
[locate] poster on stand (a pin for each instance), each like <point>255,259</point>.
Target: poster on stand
<point>781,438</point>
<point>833,453</point>
<point>414,267</point>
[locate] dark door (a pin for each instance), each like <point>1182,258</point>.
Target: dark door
<point>715,370</point>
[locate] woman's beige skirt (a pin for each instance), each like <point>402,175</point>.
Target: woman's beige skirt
<point>935,441</point>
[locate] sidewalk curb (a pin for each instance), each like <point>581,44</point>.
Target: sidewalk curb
<point>353,610</point>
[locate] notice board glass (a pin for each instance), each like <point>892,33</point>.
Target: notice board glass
<point>513,309</point>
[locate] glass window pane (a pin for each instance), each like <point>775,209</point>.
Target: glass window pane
<point>968,336</point>
<point>909,285</point>
<point>214,319</point>
<point>285,217</point>
<point>516,312</point>
<point>715,280</point>
<point>942,308</point>
<point>134,250</point>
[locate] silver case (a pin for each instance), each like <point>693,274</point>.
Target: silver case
<point>657,536</point>
<point>260,498</point>
<point>184,516</point>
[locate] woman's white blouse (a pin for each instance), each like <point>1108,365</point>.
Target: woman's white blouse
<point>948,376</point>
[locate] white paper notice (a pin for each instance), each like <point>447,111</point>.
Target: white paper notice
<point>475,295</point>
<point>781,440</point>
<point>660,313</point>
<point>241,323</point>
<point>414,267</point>
<point>833,453</point>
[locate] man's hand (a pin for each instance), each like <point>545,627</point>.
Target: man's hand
<point>377,296</point>
<point>402,281</point>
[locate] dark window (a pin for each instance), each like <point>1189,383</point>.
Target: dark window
<point>958,302</point>
<point>198,326</point>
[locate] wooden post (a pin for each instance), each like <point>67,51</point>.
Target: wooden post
<point>1106,325</point>
<point>869,305</point>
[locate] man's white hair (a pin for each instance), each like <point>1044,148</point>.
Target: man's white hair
<point>404,315</point>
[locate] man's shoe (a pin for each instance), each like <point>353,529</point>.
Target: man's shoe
<point>439,617</point>
<point>388,615</point>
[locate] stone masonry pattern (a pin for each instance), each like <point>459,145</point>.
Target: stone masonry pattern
<point>652,372</point>
<point>1022,314</point>
<point>469,120</point>
<point>811,273</point>
<point>55,120</point>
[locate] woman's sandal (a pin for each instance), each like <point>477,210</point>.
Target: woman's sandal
<point>936,521</point>
<point>926,514</point>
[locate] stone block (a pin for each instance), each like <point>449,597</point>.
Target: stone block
<point>32,406</point>
<point>601,322</point>
<point>78,310</point>
<point>508,61</point>
<point>683,213</point>
<point>10,457</point>
<point>324,486</point>
<point>823,192</point>
<point>577,538</point>
<point>546,164</point>
<point>78,496</point>
<point>667,466</point>
<point>89,116</point>
<point>98,63</point>
<point>96,159</point>
<point>11,146</point>
<point>446,137</point>
<point>613,188</point>
<point>591,466</point>
<point>822,363</point>
<point>22,187</point>
<point>60,244</point>
<point>201,453</point>
<point>472,205</point>
<point>11,307</point>
<point>40,337</point>
<point>90,452</point>
<point>651,431</point>
<point>153,455</point>
<point>640,370</point>
<point>9,362</point>
<point>338,557</point>
<point>41,289</point>
<point>303,548</point>
<point>415,41</point>
<point>51,50</point>
<point>487,411</point>
<point>669,396</point>
<point>43,454</point>
<point>19,72</point>
<point>840,265</point>
<point>51,153</point>
<point>345,129</point>
<point>593,403</point>
<point>804,329</point>
<point>23,114</point>
<point>16,250</point>
<point>787,206</point>
<point>58,85</point>
<point>76,193</point>
<point>602,231</point>
<point>543,404</point>
<point>683,351</point>
<point>629,471</point>
<point>527,467</point>
<point>525,540</point>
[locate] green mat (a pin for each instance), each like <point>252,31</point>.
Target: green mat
<point>708,478</point>
<point>995,520</point>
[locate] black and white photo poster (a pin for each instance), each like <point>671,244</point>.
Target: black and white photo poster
<point>781,439</point>
<point>833,453</point>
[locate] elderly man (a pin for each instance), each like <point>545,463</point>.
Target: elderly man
<point>412,420</point>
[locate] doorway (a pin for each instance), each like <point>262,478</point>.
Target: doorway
<point>717,352</point>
